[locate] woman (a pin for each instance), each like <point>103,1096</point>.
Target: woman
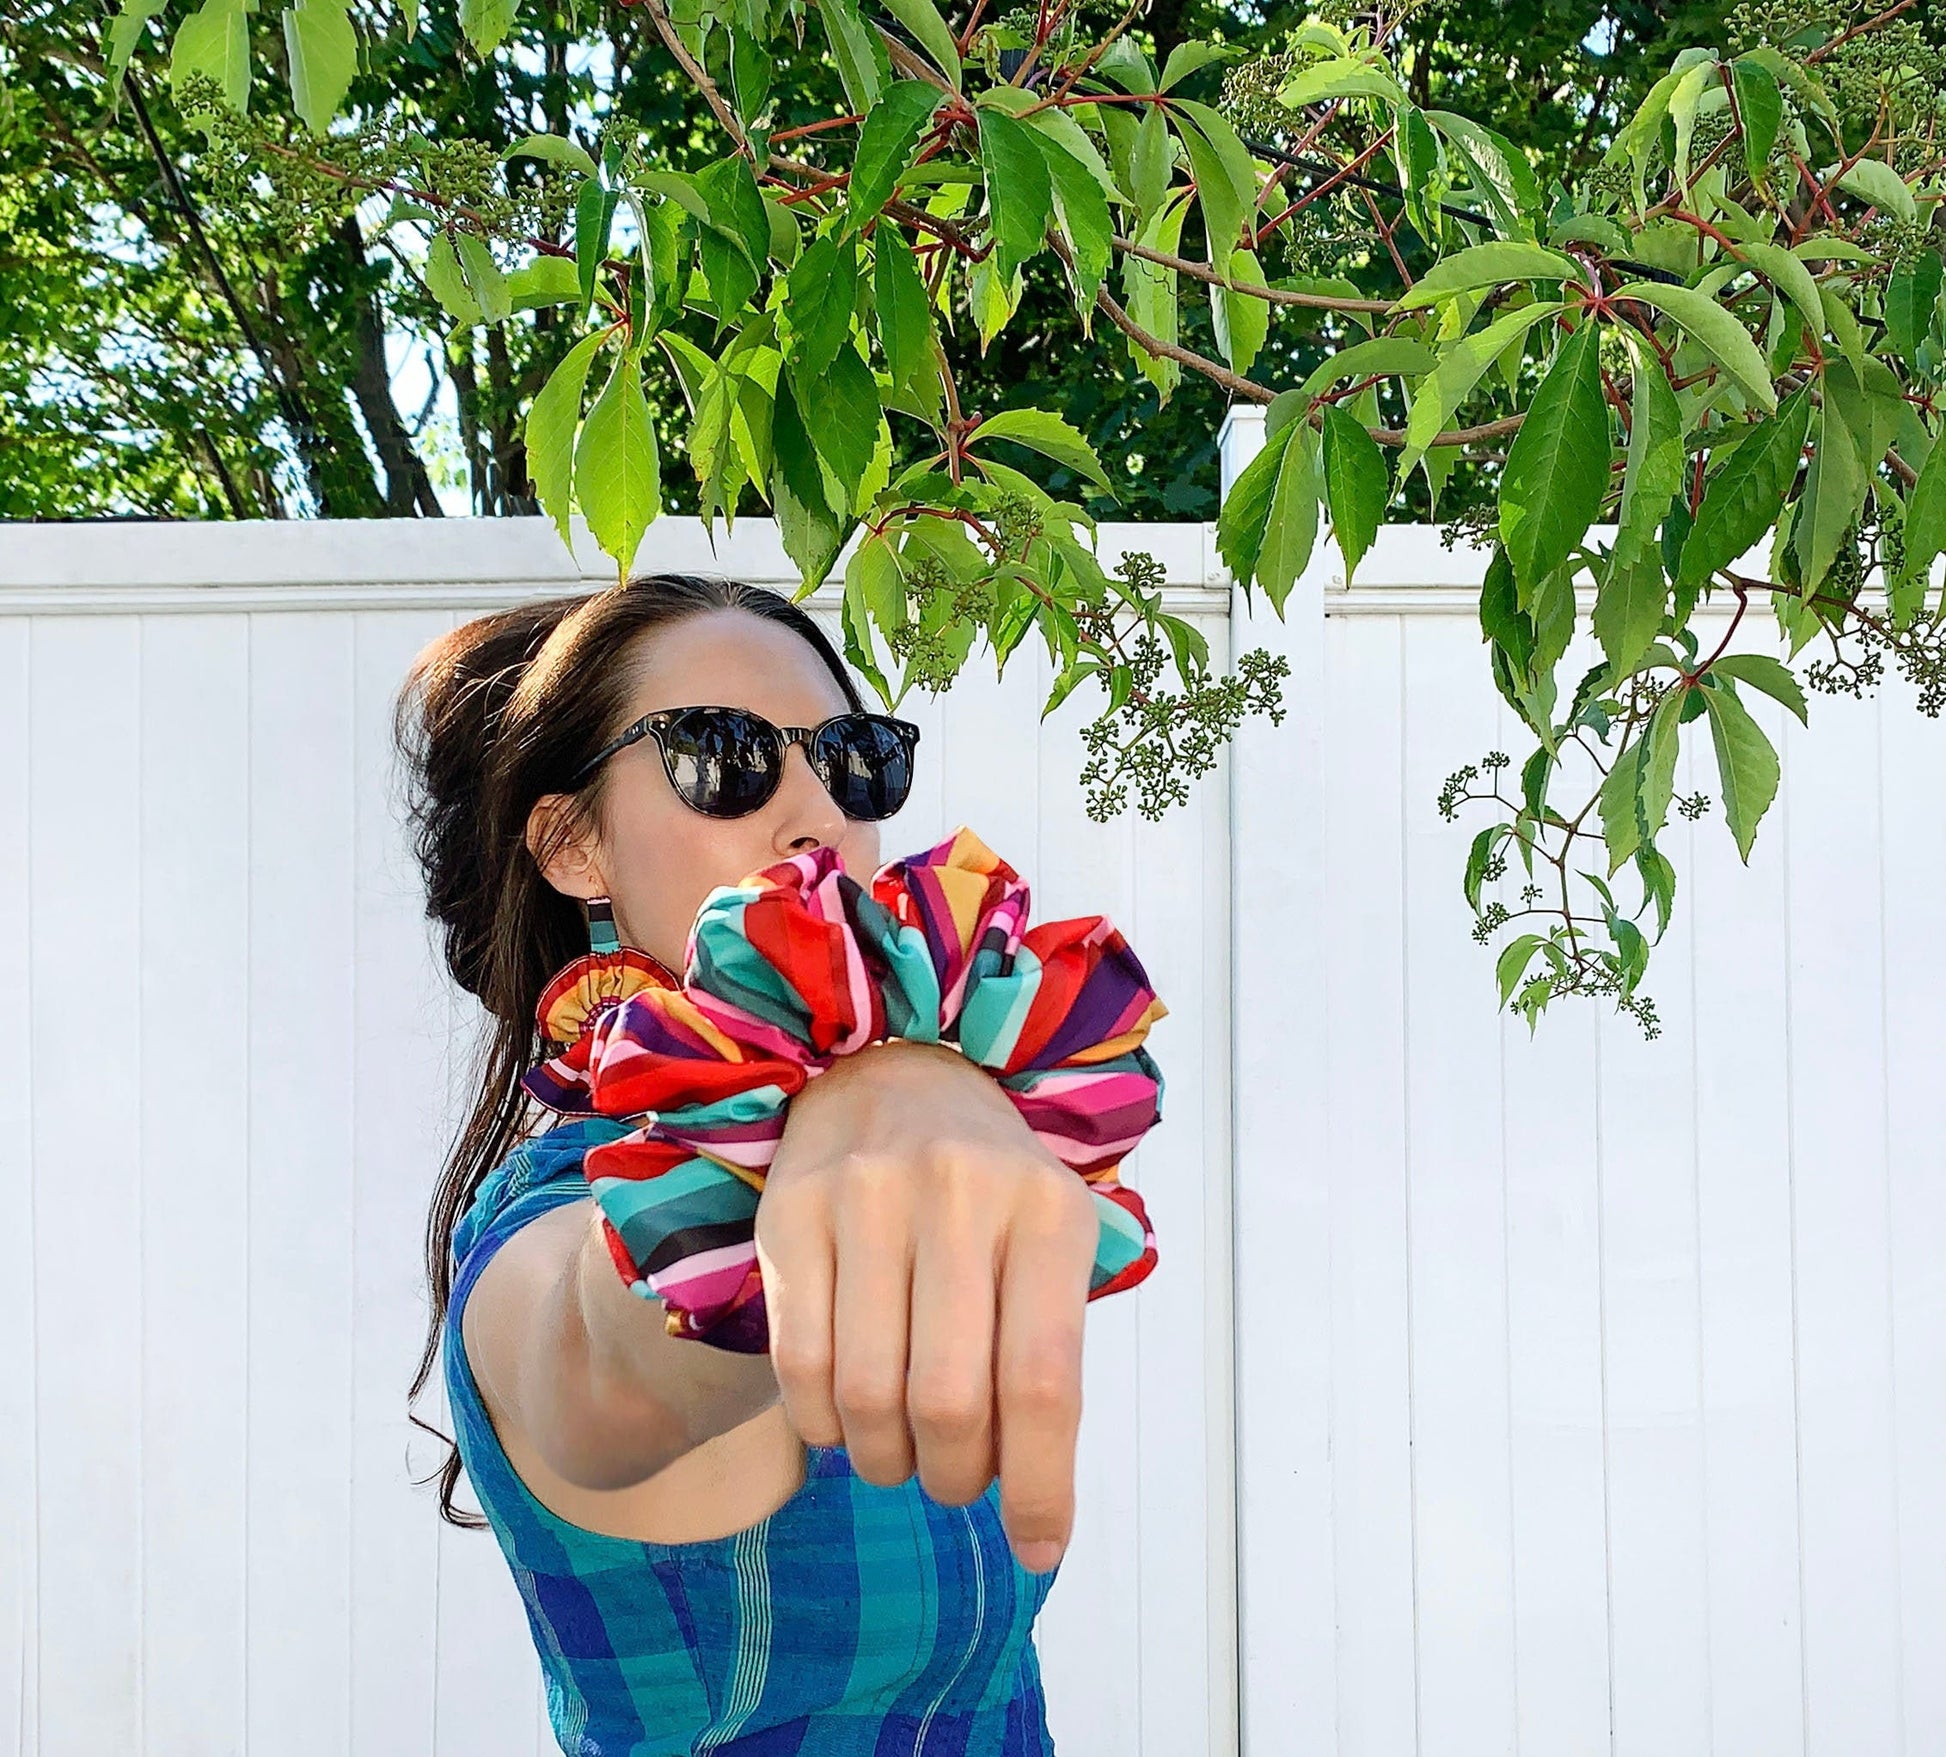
<point>835,1547</point>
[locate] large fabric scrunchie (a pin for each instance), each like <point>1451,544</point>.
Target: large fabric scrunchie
<point>800,964</point>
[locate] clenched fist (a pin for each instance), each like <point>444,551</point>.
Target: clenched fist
<point>926,1265</point>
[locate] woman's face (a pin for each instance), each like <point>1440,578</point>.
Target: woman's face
<point>657,858</point>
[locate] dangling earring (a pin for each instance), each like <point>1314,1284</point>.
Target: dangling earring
<point>578,997</point>
<point>602,936</point>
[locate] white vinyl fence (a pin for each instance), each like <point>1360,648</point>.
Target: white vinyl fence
<point>1491,1395</point>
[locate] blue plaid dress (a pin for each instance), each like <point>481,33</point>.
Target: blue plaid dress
<point>855,1621</point>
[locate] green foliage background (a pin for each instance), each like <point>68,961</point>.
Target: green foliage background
<point>127,385</point>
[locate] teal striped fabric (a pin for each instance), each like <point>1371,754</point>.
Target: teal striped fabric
<point>855,1621</point>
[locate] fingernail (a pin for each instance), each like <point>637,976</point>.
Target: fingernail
<point>1039,1558</point>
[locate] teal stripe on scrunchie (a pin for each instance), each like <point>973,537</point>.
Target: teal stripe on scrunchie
<point>910,993</point>
<point>997,1006</point>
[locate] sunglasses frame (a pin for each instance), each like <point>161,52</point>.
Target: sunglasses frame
<point>653,725</point>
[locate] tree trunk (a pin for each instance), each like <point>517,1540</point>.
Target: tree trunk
<point>332,447</point>
<point>408,489</point>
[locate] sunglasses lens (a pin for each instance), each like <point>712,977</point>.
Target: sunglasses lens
<point>866,764</point>
<point>723,762</point>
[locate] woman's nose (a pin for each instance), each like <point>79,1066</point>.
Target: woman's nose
<point>806,814</point>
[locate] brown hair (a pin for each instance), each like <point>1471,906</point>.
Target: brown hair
<point>492,716</point>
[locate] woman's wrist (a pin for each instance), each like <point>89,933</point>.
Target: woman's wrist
<point>905,1092</point>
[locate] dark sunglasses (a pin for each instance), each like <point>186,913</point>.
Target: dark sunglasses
<point>727,762</point>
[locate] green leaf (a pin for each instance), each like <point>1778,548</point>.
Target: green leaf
<point>993,297</point>
<point>1874,181</point>
<point>1925,513</point>
<point>1020,192</point>
<point>551,421</point>
<point>1241,320</point>
<point>617,473</point>
<point>1060,127</point>
<point>1839,320</point>
<point>844,396</point>
<point>554,149</point>
<point>594,216</point>
<point>858,649</point>
<point>1461,365</point>
<point>1226,182</point>
<point>1477,856</point>
<point>1344,78</point>
<point>487,22</point>
<point>545,280</point>
<point>1082,207</point>
<point>885,146</point>
<point>1291,529</point>
<point>1764,673</point>
<point>1746,496</point>
<point>1629,605</point>
<point>1240,519</point>
<point>921,18</point>
<point>484,279</point>
<point>1790,277</point>
<point>1415,151</point>
<point>1071,676</point>
<point>735,206</point>
<point>123,35</point>
<point>214,40</point>
<point>1151,162</point>
<point>875,578</point>
<point>1186,58</point>
<point>448,281</point>
<point>1635,797</point>
<point>823,288</point>
<point>323,52</point>
<point>1502,621</point>
<point>1506,181</point>
<point>1658,885</point>
<point>752,67</point>
<point>1512,963</point>
<point>1595,229</point>
<point>863,65</point>
<point>1760,106</point>
<point>1046,433</point>
<point>904,311</point>
<point>1911,296</point>
<point>1683,104</point>
<point>811,531</point>
<point>1356,485</point>
<point>1557,468</point>
<point>1152,296</point>
<point>1398,356</point>
<point>1746,765</point>
<point>1488,265</point>
<point>1834,488</point>
<point>1655,458</point>
<point>1715,330</point>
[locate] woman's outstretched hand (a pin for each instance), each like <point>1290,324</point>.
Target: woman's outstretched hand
<point>926,1266</point>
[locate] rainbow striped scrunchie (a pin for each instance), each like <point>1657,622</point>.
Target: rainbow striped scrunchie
<point>800,964</point>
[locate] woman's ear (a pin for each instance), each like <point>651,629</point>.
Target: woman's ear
<point>567,858</point>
